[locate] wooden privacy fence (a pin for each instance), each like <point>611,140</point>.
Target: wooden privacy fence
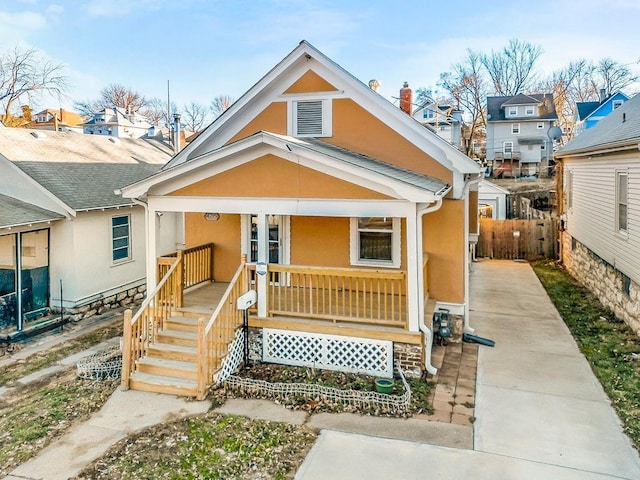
<point>518,239</point>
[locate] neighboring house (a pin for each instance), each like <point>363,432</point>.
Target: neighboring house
<point>588,114</point>
<point>517,134</point>
<point>66,240</point>
<point>444,120</point>
<point>349,218</point>
<point>492,200</point>
<point>57,120</point>
<point>599,182</point>
<point>116,123</point>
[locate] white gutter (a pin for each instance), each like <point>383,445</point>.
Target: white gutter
<point>428,333</point>
<point>467,185</point>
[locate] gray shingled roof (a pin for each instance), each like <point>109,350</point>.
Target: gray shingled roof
<point>620,127</point>
<point>83,170</point>
<point>495,112</point>
<point>584,109</point>
<point>378,166</point>
<point>14,212</point>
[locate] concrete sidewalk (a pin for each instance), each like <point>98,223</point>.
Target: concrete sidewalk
<point>540,411</point>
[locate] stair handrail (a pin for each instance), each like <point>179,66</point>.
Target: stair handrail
<point>223,334</point>
<point>132,351</point>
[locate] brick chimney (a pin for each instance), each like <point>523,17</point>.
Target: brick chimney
<point>406,98</point>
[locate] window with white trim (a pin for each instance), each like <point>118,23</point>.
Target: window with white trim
<point>375,241</point>
<point>622,181</point>
<point>515,128</point>
<point>529,110</point>
<point>540,125</point>
<point>512,111</point>
<point>569,189</point>
<point>507,148</point>
<point>121,238</point>
<point>617,103</point>
<point>310,118</point>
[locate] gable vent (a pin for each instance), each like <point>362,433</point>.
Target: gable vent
<point>309,117</point>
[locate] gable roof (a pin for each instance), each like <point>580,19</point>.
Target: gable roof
<point>588,109</point>
<point>80,171</point>
<point>496,110</point>
<point>311,153</point>
<point>620,129</point>
<point>305,56</point>
<point>14,213</point>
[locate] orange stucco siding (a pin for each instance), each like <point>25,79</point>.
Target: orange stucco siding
<point>356,129</point>
<point>225,236</point>
<point>271,119</point>
<point>310,82</point>
<point>443,240</point>
<point>270,176</point>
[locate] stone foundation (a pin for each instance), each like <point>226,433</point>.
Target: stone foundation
<point>127,298</point>
<point>613,288</point>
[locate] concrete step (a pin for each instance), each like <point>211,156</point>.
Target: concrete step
<point>178,337</point>
<point>170,351</point>
<point>160,384</point>
<point>168,368</point>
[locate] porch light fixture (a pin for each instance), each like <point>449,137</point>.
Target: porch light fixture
<point>212,217</point>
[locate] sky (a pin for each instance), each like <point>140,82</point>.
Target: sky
<point>206,48</point>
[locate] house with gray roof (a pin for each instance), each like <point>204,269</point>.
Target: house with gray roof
<point>113,122</point>
<point>67,241</point>
<point>598,186</point>
<point>517,134</point>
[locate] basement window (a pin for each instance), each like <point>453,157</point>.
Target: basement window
<point>375,241</point>
<point>310,118</point>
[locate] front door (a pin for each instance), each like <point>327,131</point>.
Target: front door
<point>275,238</point>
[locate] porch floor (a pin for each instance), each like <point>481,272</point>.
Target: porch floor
<point>203,298</point>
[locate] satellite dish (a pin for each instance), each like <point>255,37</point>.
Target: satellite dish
<point>554,133</point>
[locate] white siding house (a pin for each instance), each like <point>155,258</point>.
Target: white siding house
<point>62,227</point>
<point>600,183</point>
<point>492,200</point>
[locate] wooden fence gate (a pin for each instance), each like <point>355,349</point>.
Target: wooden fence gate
<point>518,239</point>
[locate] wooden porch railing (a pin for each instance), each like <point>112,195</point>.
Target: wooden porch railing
<point>198,264</point>
<point>214,338</point>
<point>338,294</point>
<point>140,331</point>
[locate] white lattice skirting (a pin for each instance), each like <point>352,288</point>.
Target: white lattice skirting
<point>233,359</point>
<point>331,352</point>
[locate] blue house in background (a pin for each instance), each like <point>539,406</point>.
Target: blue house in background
<point>590,113</point>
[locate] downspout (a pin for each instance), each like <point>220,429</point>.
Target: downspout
<point>150,273</point>
<point>428,333</point>
<point>467,186</point>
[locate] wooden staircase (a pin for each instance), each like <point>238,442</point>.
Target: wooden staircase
<point>171,363</point>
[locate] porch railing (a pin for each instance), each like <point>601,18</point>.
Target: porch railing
<point>141,330</point>
<point>338,294</point>
<point>214,338</point>
<point>198,264</point>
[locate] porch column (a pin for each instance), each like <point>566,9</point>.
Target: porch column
<point>414,262</point>
<point>262,281</point>
<point>152,248</point>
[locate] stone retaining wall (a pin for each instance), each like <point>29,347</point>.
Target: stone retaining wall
<point>130,297</point>
<point>614,289</point>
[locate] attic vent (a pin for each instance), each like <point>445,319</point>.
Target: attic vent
<point>114,140</point>
<point>309,118</point>
<point>38,135</point>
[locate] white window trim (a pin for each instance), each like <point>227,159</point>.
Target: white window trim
<point>616,103</point>
<point>504,147</point>
<point>354,240</point>
<point>569,190</point>
<point>512,111</point>
<point>540,125</point>
<point>527,113</point>
<point>515,129</point>
<point>129,257</point>
<point>327,115</point>
<point>619,230</point>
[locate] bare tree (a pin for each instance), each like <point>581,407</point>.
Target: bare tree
<point>512,69</point>
<point>156,111</point>
<point>194,116</point>
<point>26,73</point>
<point>220,103</point>
<point>113,95</point>
<point>468,88</point>
<point>611,76</point>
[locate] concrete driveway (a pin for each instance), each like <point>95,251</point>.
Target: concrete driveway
<point>540,411</point>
